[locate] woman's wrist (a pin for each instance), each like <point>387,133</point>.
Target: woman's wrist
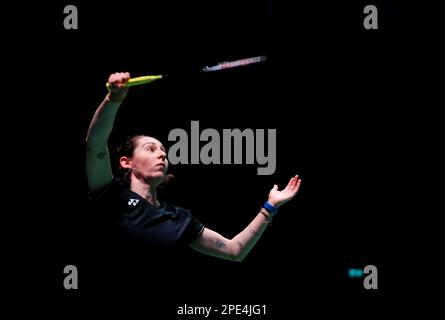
<point>266,215</point>
<point>116,97</point>
<point>271,207</point>
<point>273,203</point>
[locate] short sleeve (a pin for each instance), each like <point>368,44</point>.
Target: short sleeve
<point>192,229</point>
<point>195,229</point>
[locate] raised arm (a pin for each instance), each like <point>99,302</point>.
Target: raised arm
<point>236,249</point>
<point>98,166</point>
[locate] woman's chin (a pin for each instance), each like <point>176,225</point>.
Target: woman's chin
<point>156,177</point>
<point>159,176</point>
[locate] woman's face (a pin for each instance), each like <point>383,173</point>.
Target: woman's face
<point>149,159</point>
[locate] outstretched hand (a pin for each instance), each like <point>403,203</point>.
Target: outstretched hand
<point>278,198</point>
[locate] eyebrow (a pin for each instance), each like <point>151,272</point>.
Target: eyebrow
<point>152,143</point>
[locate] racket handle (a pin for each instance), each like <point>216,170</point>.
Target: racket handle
<point>140,80</point>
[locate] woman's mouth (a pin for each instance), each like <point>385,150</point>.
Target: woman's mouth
<point>161,165</point>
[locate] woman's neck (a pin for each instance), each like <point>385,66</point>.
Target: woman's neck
<point>146,191</point>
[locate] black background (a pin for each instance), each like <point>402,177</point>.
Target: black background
<point>337,95</point>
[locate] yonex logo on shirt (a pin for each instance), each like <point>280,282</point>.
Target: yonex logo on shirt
<point>133,202</point>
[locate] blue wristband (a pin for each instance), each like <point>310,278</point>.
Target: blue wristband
<point>270,208</point>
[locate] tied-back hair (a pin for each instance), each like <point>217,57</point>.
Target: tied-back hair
<point>126,149</point>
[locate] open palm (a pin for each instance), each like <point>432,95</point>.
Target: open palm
<point>278,198</point>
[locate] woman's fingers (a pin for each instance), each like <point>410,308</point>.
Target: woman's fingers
<point>297,186</point>
<point>289,184</point>
<point>294,182</point>
<point>292,186</point>
<point>119,79</point>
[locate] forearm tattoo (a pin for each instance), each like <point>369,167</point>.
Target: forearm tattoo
<point>240,245</point>
<point>252,231</point>
<point>100,155</point>
<point>217,243</point>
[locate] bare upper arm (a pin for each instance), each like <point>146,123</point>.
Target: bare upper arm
<point>98,167</point>
<point>214,244</point>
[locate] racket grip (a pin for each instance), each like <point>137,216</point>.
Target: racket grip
<point>139,80</point>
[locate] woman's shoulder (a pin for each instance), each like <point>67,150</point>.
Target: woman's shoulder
<point>115,187</point>
<point>171,207</point>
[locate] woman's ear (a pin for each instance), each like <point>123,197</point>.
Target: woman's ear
<point>125,162</point>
